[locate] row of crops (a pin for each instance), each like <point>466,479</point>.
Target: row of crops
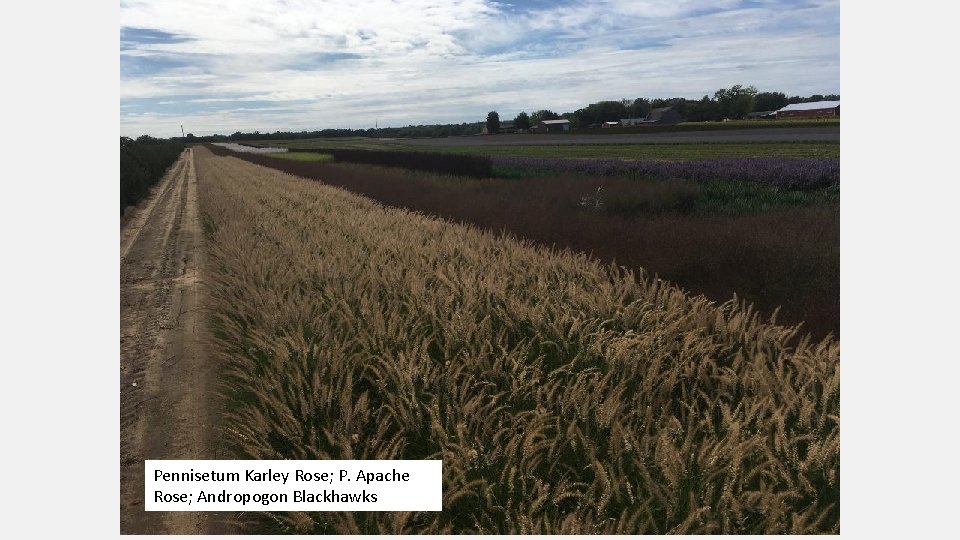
<point>776,247</point>
<point>786,173</point>
<point>796,173</point>
<point>563,395</point>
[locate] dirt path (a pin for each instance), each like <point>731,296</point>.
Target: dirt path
<point>167,404</point>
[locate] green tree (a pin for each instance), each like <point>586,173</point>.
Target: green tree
<point>493,122</point>
<point>769,101</point>
<point>604,111</point>
<point>543,114</point>
<point>522,121</point>
<point>704,110</point>
<point>640,108</point>
<point>736,101</point>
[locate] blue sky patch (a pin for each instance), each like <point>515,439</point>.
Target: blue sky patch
<point>191,104</point>
<point>131,37</point>
<point>310,62</point>
<point>526,6</point>
<point>142,66</point>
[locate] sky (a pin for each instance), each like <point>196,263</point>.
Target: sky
<point>291,65</point>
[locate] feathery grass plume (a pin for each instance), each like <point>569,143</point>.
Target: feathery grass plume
<point>775,244</point>
<point>563,395</point>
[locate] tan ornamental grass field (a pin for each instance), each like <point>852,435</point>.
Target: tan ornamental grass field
<point>563,395</point>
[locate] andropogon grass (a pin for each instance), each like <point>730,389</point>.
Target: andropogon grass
<point>563,395</point>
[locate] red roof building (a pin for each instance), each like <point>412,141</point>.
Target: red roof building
<point>815,109</point>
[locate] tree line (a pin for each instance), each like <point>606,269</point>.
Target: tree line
<point>433,130</point>
<point>734,103</point>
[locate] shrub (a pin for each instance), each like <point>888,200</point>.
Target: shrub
<point>142,164</point>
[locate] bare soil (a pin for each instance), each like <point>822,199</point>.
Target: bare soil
<point>168,408</point>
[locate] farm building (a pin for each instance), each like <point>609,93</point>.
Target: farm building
<point>611,124</point>
<point>815,109</point>
<point>553,126</point>
<point>661,116</point>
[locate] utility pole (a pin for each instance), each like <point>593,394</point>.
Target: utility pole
<point>181,131</point>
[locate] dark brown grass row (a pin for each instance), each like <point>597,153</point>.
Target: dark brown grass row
<point>785,259</point>
<point>563,395</point>
<point>459,164</point>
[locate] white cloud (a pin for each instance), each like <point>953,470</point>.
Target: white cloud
<point>431,61</point>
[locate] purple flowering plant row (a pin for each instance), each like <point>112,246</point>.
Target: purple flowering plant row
<point>786,173</point>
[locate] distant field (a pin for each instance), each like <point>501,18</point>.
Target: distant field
<point>823,142</point>
<point>782,134</point>
<point>303,156</point>
<point>717,126</point>
<point>673,152</point>
<point>772,247</point>
<point>363,143</point>
<point>797,122</point>
<point>367,143</point>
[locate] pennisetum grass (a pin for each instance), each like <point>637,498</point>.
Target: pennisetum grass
<point>563,395</point>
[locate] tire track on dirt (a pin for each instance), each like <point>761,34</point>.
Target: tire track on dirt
<point>132,226</point>
<point>167,408</point>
